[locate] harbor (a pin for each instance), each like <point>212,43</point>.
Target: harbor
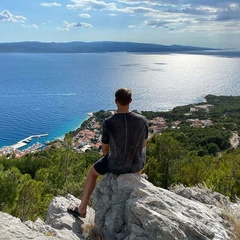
<point>26,141</point>
<point>16,148</point>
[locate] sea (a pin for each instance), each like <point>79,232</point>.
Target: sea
<point>53,94</point>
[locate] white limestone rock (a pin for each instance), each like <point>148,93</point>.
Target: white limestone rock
<point>13,229</point>
<point>59,223</point>
<point>129,207</point>
<point>64,224</point>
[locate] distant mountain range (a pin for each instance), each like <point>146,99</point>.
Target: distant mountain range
<point>94,47</point>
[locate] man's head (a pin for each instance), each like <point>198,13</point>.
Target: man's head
<point>123,96</point>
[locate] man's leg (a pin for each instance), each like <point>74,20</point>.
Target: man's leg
<point>87,191</point>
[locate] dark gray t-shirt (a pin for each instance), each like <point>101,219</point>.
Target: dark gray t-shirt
<point>125,133</point>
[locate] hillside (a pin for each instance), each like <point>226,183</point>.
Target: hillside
<point>93,47</point>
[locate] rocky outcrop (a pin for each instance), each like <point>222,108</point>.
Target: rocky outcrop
<point>12,228</point>
<point>128,207</point>
<point>58,224</point>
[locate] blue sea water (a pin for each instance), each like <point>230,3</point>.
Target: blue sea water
<point>52,93</point>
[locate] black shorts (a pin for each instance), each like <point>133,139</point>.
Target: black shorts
<point>101,166</point>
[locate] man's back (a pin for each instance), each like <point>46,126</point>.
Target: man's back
<point>124,136</point>
<point>125,133</point>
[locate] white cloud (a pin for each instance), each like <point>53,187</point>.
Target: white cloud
<point>131,26</point>
<point>68,26</point>
<point>156,23</point>
<point>141,10</point>
<point>231,11</point>
<point>189,14</point>
<point>129,2</point>
<point>29,26</point>
<point>84,15</point>
<point>170,14</point>
<point>88,5</point>
<point>53,4</point>
<point>5,15</point>
<point>212,28</point>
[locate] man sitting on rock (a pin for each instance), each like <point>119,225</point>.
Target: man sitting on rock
<point>124,141</point>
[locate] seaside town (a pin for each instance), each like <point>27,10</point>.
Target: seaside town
<point>90,138</point>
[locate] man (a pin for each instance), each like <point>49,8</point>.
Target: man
<point>124,140</point>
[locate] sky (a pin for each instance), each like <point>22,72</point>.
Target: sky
<point>203,23</point>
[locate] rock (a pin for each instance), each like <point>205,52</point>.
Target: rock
<point>58,225</point>
<point>202,194</point>
<point>129,207</point>
<point>12,228</point>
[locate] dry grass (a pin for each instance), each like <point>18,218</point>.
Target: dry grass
<point>232,223</point>
<point>237,230</point>
<point>95,234</point>
<point>90,231</point>
<point>49,234</point>
<point>87,228</point>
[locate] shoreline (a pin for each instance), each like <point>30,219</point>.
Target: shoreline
<point>19,144</point>
<point>26,141</point>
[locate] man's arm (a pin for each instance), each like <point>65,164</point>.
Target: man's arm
<point>145,143</point>
<point>105,149</point>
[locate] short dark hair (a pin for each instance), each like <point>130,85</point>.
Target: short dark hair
<point>123,96</point>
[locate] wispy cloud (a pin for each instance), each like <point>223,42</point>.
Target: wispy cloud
<point>139,10</point>
<point>5,15</point>
<point>53,4</point>
<point>157,23</point>
<point>29,26</point>
<point>131,26</point>
<point>230,12</point>
<point>130,2</point>
<point>84,15</point>
<point>68,26</point>
<point>88,5</point>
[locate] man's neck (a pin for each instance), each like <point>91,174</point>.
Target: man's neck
<point>123,109</point>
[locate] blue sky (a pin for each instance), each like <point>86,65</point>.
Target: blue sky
<point>206,23</point>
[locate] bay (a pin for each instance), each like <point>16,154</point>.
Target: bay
<point>52,93</point>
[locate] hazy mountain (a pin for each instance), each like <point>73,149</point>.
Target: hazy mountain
<point>93,47</point>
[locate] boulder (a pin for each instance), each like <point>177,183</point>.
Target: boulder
<point>59,224</point>
<point>12,228</point>
<point>128,207</point>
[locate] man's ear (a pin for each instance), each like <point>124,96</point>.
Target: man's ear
<point>130,101</point>
<point>116,101</point>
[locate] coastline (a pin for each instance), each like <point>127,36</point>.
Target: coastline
<point>59,134</point>
<point>86,136</point>
<point>50,107</point>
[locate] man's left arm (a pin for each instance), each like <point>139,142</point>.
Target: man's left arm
<point>105,149</point>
